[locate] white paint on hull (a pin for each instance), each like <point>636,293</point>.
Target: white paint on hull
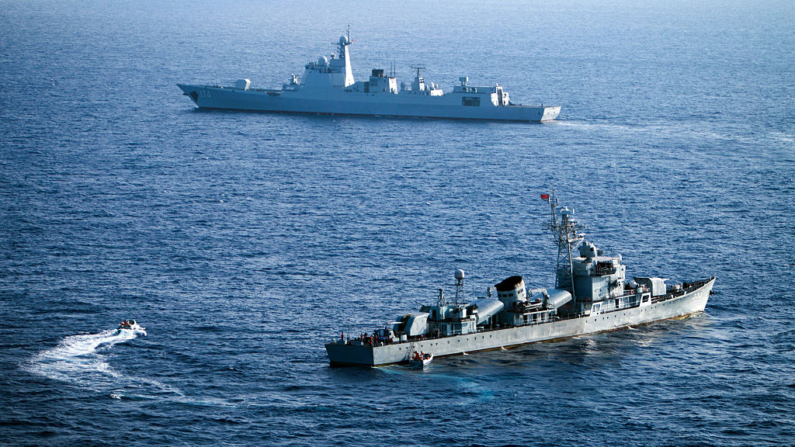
<point>337,101</point>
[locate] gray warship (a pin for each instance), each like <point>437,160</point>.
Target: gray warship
<point>591,295</point>
<point>328,87</point>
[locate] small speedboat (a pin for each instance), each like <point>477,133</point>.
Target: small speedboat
<point>131,325</point>
<point>420,360</point>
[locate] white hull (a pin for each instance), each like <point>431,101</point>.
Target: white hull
<point>420,364</point>
<point>340,353</point>
<point>339,102</point>
<point>327,87</point>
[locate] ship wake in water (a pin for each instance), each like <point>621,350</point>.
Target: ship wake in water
<point>79,360</point>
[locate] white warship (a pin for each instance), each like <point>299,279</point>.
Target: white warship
<point>591,295</point>
<point>327,87</point>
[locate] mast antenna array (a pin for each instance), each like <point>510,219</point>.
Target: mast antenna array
<point>568,236</point>
<point>418,68</point>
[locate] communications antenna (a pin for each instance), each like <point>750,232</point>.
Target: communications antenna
<point>566,231</point>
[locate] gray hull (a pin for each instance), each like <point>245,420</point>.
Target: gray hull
<point>694,301</point>
<point>339,102</point>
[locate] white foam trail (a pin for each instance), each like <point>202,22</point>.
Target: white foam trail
<point>78,359</point>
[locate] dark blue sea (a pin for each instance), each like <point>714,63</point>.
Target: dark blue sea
<point>244,241</point>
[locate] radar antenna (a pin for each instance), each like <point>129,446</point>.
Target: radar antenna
<point>459,286</point>
<point>419,84</point>
<point>344,42</point>
<point>418,68</point>
<point>567,236</point>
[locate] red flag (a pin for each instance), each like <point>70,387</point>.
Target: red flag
<point>545,197</point>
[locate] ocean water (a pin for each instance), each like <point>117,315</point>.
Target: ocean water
<point>243,241</point>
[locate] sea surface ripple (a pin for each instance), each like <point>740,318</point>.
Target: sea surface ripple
<point>243,241</point>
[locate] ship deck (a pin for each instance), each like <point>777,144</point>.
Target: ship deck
<point>600,324</point>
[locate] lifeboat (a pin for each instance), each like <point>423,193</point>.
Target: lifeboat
<point>420,359</point>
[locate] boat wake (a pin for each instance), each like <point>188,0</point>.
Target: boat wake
<point>80,360</point>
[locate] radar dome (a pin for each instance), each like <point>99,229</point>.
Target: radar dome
<point>344,40</point>
<point>459,274</point>
<point>322,61</point>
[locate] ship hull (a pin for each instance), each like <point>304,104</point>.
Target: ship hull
<point>364,355</point>
<point>339,102</point>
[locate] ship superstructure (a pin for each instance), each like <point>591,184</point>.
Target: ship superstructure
<point>591,295</point>
<point>327,86</point>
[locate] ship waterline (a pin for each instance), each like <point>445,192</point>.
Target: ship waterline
<point>361,354</point>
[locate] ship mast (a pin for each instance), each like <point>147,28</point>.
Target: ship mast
<point>459,287</point>
<point>568,237</point>
<point>418,84</point>
<point>343,44</point>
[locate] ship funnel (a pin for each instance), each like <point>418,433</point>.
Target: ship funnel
<point>511,289</point>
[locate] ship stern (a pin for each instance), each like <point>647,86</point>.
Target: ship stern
<point>343,354</point>
<point>550,113</point>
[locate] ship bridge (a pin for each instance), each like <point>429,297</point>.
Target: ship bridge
<point>334,72</point>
